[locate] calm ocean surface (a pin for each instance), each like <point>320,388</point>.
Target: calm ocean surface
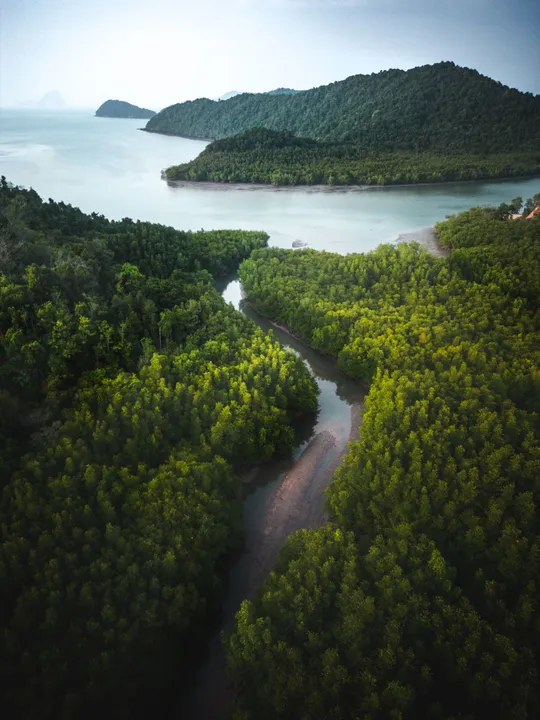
<point>109,166</point>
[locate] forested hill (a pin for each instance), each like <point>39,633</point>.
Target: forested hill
<point>122,109</point>
<point>442,107</point>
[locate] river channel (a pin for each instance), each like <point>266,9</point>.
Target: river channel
<point>280,497</point>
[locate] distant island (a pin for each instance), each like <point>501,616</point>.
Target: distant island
<point>279,158</point>
<point>122,109</point>
<point>52,100</point>
<point>229,95</point>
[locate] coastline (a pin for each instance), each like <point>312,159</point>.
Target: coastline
<point>122,117</point>
<point>257,187</point>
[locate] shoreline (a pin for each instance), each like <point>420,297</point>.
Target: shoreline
<point>184,137</point>
<point>257,187</point>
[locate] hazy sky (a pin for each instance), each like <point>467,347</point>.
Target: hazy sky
<point>157,52</point>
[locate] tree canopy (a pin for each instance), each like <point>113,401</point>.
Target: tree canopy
<point>131,396</point>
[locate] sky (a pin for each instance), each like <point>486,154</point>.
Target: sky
<point>157,52</point>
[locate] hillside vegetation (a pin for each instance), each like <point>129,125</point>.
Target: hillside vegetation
<point>130,396</point>
<point>439,108</point>
<point>420,598</point>
<point>280,158</point>
<point>283,91</point>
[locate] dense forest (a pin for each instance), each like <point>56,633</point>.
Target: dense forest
<point>441,108</point>
<point>122,109</point>
<point>131,396</point>
<point>419,599</point>
<point>268,156</point>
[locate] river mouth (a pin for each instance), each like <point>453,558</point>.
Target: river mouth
<point>280,497</point>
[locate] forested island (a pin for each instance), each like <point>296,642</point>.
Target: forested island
<point>131,398</point>
<point>122,109</point>
<point>435,123</point>
<point>419,599</point>
<point>441,108</point>
<point>279,158</point>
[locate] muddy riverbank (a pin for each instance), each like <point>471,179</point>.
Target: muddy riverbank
<point>251,187</point>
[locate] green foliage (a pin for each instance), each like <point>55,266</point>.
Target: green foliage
<point>531,204</point>
<point>80,292</point>
<point>267,156</point>
<point>259,139</point>
<point>122,109</point>
<point>339,635</point>
<point>130,396</point>
<point>283,91</point>
<point>438,108</point>
<point>421,599</point>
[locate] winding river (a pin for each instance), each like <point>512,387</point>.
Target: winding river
<point>280,497</point>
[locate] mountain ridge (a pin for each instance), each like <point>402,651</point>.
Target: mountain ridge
<point>441,108</point>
